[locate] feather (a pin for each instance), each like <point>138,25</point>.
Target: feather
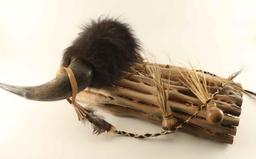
<point>234,75</point>
<point>98,123</point>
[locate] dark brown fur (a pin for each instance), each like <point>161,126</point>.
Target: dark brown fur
<point>109,46</point>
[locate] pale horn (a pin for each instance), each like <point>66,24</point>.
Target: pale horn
<point>58,88</point>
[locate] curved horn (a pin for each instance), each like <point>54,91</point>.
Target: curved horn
<point>58,88</point>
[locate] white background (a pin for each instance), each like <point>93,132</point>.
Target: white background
<point>217,36</point>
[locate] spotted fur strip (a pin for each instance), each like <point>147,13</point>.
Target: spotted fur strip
<point>143,136</point>
<point>206,72</point>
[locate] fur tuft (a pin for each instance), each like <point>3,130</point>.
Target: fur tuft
<point>109,46</point>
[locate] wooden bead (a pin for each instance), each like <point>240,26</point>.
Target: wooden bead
<point>214,115</point>
<point>169,123</point>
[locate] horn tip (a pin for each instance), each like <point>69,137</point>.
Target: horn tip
<point>13,89</point>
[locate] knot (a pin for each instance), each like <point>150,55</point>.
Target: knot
<point>169,116</point>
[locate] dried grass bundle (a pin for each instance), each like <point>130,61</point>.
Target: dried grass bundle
<point>198,85</point>
<point>162,95</point>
